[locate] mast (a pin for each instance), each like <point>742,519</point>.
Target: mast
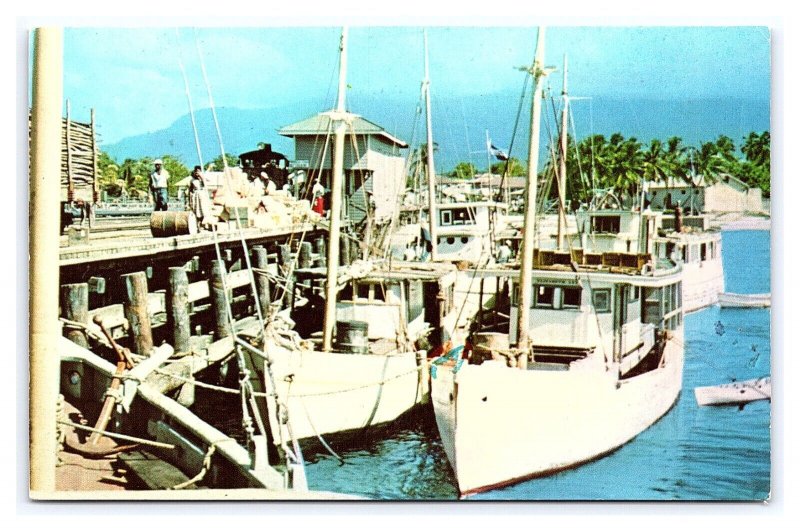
<point>562,172</point>
<point>340,117</point>
<point>45,190</point>
<point>426,84</point>
<point>526,269</point>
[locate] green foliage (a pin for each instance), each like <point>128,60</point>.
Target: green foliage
<point>515,167</point>
<point>108,177</point>
<point>232,161</point>
<point>620,163</point>
<point>464,170</point>
<point>132,178</point>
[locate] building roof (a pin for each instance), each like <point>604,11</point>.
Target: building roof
<point>699,182</point>
<point>321,124</point>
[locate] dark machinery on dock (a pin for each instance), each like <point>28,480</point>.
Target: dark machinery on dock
<point>274,164</point>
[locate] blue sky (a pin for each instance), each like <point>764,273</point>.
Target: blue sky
<point>132,76</point>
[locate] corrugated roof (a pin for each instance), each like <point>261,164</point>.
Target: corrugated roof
<point>320,124</point>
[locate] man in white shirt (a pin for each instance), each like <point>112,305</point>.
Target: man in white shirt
<point>158,185</point>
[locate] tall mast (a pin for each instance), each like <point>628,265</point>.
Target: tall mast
<point>426,84</point>
<point>340,118</point>
<point>562,172</point>
<point>526,269</point>
<point>45,186</point>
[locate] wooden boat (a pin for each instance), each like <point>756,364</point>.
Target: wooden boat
<point>604,362</point>
<point>744,300</point>
<point>734,392</point>
<point>368,364</point>
<point>376,369</point>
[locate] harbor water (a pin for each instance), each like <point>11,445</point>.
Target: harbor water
<point>692,453</point>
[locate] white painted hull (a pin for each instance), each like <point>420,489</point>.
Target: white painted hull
<point>330,393</point>
<point>501,425</point>
<point>702,284</point>
<point>734,393</point>
<point>740,300</point>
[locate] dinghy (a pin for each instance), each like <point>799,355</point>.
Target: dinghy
<point>734,392</point>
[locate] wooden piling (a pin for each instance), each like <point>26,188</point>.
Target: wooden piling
<point>178,308</point>
<point>321,250</point>
<point>136,312</point>
<point>304,259</point>
<point>75,307</point>
<point>219,300</point>
<point>262,281</point>
<point>284,257</point>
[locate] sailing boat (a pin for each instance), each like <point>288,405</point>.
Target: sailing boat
<point>370,365</point>
<point>458,230</point>
<point>597,358</point>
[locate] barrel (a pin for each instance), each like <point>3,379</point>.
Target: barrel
<point>169,223</point>
<point>352,337</point>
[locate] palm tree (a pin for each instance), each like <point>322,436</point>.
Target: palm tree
<point>656,163</point>
<point>756,148</point>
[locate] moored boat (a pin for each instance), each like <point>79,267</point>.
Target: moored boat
<point>591,357</point>
<point>734,392</point>
<point>745,300</point>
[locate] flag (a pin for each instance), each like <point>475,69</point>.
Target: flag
<point>497,152</point>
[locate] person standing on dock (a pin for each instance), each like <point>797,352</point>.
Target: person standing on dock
<point>198,196</point>
<point>158,185</point>
<point>318,193</point>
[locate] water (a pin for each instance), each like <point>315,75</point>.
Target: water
<point>693,453</point>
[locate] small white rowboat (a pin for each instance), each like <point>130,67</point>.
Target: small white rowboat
<point>742,300</point>
<point>734,392</point>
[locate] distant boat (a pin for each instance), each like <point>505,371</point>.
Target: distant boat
<point>734,392</point>
<point>744,300</point>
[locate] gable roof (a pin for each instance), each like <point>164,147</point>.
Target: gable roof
<point>321,124</point>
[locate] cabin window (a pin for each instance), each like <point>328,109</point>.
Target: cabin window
<point>703,256</point>
<point>451,241</point>
<point>601,300</point>
<point>572,297</point>
<point>447,217</point>
<point>606,224</point>
<point>685,254</point>
<point>464,239</point>
<point>461,216</point>
<point>633,294</point>
<point>363,290</point>
<point>544,296</point>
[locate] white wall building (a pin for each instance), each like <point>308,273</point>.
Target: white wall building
<point>373,162</point>
<point>726,194</point>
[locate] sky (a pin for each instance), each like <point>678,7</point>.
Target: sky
<point>133,79</point>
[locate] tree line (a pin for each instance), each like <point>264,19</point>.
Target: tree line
<point>619,163</point>
<point>131,177</point>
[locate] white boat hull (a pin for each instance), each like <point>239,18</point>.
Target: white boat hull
<point>741,300</point>
<point>734,392</point>
<point>501,425</point>
<point>332,393</point>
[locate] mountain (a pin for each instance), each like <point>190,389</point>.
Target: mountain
<point>459,125</point>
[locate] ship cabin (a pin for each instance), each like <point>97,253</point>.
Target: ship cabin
<point>389,308</point>
<point>690,249</point>
<point>615,230</point>
<point>465,230</point>
<point>597,314</point>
